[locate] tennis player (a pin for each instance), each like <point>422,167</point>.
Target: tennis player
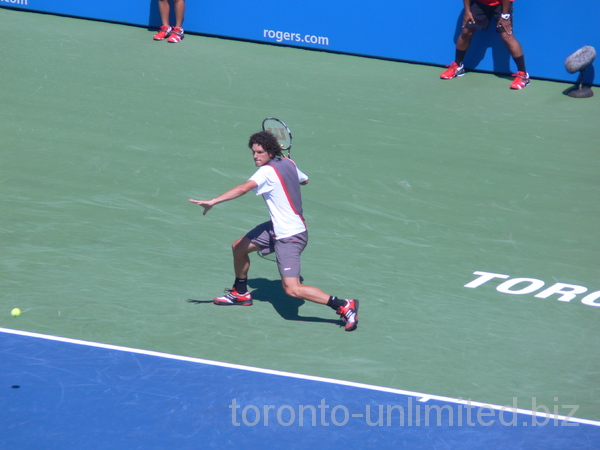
<point>278,180</point>
<point>478,15</point>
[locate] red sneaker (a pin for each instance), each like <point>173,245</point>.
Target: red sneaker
<point>454,70</point>
<point>176,35</point>
<point>521,80</point>
<point>349,314</point>
<point>163,33</point>
<point>234,298</point>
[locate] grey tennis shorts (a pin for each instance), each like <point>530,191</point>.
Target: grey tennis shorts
<point>287,250</point>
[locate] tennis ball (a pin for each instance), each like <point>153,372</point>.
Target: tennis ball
<point>16,312</point>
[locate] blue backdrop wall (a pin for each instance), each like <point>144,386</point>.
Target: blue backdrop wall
<point>422,32</point>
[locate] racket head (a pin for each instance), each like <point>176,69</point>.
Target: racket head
<point>281,131</point>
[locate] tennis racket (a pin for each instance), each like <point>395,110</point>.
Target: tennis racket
<point>281,132</point>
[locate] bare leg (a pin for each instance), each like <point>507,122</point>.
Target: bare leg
<point>241,260</point>
<point>165,9</point>
<point>179,6</point>
<point>514,47</point>
<point>464,40</point>
<point>294,288</point>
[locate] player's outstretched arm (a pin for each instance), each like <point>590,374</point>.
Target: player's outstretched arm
<point>231,194</point>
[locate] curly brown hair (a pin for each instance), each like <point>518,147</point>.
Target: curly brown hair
<point>268,142</point>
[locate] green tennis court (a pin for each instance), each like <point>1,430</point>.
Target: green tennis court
<point>416,184</point>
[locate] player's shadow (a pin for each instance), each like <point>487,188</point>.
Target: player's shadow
<point>271,291</point>
<point>154,20</point>
<point>482,42</point>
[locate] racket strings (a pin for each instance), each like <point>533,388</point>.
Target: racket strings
<point>280,131</point>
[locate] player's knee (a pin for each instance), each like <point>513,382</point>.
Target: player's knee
<point>292,291</point>
<point>467,33</point>
<point>509,39</point>
<point>236,246</point>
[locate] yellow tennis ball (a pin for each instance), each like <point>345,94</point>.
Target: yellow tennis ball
<point>16,312</point>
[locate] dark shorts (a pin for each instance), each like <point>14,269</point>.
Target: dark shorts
<point>483,15</point>
<point>287,250</point>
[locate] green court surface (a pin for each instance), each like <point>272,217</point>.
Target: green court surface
<point>416,183</point>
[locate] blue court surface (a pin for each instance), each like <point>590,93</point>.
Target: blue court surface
<point>59,393</point>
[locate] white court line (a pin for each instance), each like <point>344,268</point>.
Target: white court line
<point>421,397</point>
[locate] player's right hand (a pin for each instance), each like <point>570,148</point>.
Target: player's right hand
<point>468,18</point>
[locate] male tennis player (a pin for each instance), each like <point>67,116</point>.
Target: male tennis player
<point>278,180</point>
<point>477,16</point>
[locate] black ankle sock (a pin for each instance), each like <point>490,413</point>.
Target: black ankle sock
<point>335,303</point>
<point>241,285</point>
<point>460,56</point>
<point>520,61</point>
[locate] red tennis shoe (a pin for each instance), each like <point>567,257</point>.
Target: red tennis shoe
<point>453,71</point>
<point>521,80</point>
<point>163,33</point>
<point>176,35</point>
<point>234,298</point>
<point>349,314</point>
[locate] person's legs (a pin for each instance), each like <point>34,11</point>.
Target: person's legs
<point>464,40</point>
<point>179,6</point>
<point>165,30</point>
<point>241,256</point>
<point>505,28</point>
<point>288,252</point>
<point>288,260</point>
<point>164,8</point>
<point>346,308</point>
<point>177,34</point>
<point>456,69</point>
<point>289,264</point>
<point>259,238</point>
<point>516,51</point>
<point>477,18</point>
<point>293,288</point>
<point>514,48</point>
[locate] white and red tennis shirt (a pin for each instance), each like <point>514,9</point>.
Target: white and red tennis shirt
<point>279,184</point>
